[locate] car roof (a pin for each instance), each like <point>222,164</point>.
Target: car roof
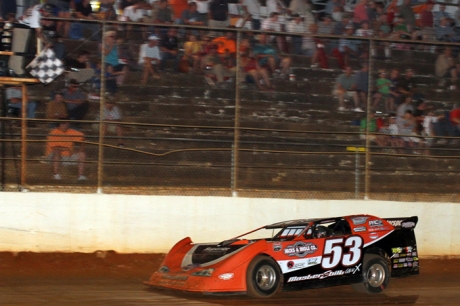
<point>304,222</point>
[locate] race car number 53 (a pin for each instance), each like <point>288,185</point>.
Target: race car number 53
<point>347,251</point>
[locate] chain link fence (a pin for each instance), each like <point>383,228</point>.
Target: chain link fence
<point>188,132</point>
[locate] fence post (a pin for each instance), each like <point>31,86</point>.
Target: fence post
<point>369,99</point>
<point>236,132</point>
<point>100,160</point>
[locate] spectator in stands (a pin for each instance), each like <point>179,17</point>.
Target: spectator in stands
<point>347,48</point>
<point>364,30</point>
<point>226,44</point>
<point>202,9</point>
<point>112,113</point>
<point>254,72</point>
<point>440,14</point>
<point>83,10</point>
<point>75,99</point>
<point>57,109</point>
<point>426,16</point>
<point>268,58</point>
<point>407,85</point>
<point>395,95</point>
<point>14,98</point>
<point>326,25</point>
<point>445,32</point>
<point>149,57</point>
<point>301,7</point>
<point>164,13</point>
<point>340,26</point>
<point>343,88</point>
<point>111,52</point>
<point>122,4</point>
<point>407,126</point>
<point>297,26</point>
<point>252,10</point>
<point>191,16</point>
<point>110,79</point>
<point>383,92</point>
<point>457,18</point>
<point>445,67</point>
<point>330,5</point>
<point>361,85</point>
<point>107,10</point>
<point>272,24</point>
<point>408,15</point>
<point>60,149</point>
<point>405,106</point>
<point>79,62</point>
<point>454,117</point>
<point>360,13</point>
<point>273,6</point>
<point>169,47</point>
<point>215,67</point>
<point>218,14</point>
<point>64,7</point>
<point>134,13</point>
<point>193,52</point>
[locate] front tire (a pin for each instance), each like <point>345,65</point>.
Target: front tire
<point>376,275</point>
<point>262,277</point>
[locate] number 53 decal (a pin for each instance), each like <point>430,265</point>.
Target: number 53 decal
<point>344,250</point>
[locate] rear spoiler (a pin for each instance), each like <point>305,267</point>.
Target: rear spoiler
<point>404,222</point>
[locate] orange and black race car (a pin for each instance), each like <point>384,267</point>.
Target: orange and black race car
<point>361,250</point>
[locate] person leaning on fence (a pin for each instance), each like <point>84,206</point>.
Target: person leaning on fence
<point>60,149</point>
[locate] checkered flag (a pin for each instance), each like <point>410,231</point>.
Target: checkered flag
<point>46,66</point>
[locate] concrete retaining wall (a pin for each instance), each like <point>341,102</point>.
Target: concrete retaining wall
<point>51,222</point>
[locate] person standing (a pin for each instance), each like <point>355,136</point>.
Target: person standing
<point>218,14</point>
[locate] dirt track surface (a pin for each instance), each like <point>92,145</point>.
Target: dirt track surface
<point>116,279</point>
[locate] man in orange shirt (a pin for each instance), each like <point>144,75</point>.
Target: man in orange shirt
<point>226,44</point>
<point>60,149</point>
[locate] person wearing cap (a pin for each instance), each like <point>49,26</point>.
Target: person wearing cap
<point>75,99</point>
<point>149,57</point>
<point>60,149</point>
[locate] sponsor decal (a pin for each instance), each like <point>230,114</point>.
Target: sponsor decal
<point>402,260</point>
<point>409,259</point>
<point>190,267</point>
<point>409,249</point>
<point>226,276</point>
<point>360,229</point>
<point>395,222</point>
<point>414,253</point>
<point>313,261</point>
<point>300,249</point>
<point>409,264</point>
<point>395,266</point>
<point>409,224</point>
<point>396,250</point>
<point>359,220</point>
<point>395,260</point>
<point>395,255</point>
<point>326,274</point>
<point>374,236</point>
<point>277,246</point>
<point>415,263</point>
<point>216,250</point>
<point>293,265</point>
<point>375,223</point>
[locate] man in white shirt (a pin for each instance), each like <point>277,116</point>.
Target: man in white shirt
<point>149,56</point>
<point>297,26</point>
<point>135,13</point>
<point>252,10</point>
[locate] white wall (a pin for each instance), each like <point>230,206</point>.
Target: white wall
<point>48,222</point>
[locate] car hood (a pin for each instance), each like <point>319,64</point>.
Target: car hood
<point>209,254</point>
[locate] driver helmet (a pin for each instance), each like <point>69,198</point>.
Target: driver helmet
<point>321,231</point>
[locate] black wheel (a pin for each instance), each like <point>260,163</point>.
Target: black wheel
<point>262,277</point>
<point>376,275</point>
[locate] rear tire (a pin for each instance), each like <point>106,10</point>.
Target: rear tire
<point>262,277</point>
<point>376,275</point>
